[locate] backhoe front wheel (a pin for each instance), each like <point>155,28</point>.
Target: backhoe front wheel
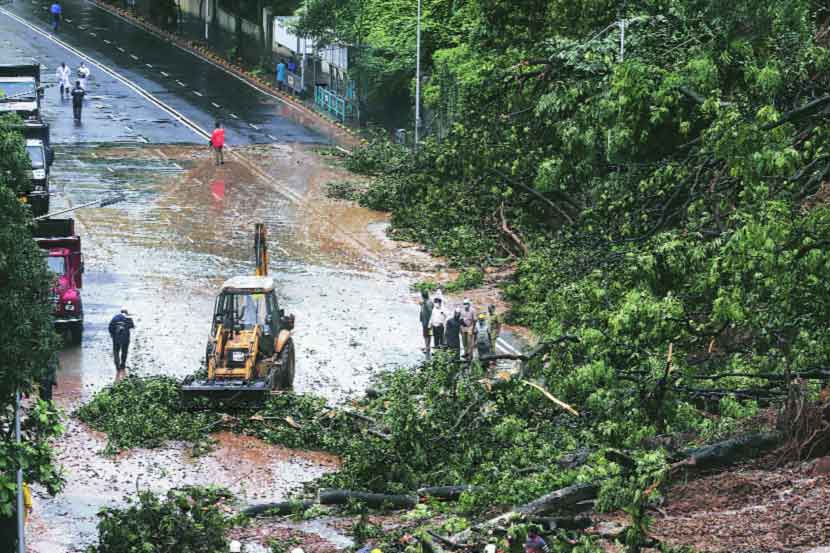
<point>282,375</point>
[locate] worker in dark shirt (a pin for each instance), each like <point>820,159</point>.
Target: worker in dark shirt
<point>77,100</point>
<point>453,334</point>
<point>120,327</point>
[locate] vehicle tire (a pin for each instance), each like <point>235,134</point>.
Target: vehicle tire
<point>75,333</point>
<point>288,363</point>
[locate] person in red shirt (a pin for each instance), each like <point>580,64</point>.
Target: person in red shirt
<point>217,142</point>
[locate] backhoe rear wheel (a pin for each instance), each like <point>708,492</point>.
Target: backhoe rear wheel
<point>282,375</point>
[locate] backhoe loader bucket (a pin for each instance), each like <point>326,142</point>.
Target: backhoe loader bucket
<point>204,393</point>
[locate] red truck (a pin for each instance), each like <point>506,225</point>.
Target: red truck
<point>62,247</point>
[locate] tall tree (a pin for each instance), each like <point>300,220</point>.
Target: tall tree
<point>28,337</point>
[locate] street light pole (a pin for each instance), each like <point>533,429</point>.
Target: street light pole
<point>21,529</point>
<point>418,77</point>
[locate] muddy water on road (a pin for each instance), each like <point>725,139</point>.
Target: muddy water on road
<point>185,226</point>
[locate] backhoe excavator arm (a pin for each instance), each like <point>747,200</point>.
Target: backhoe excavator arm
<point>260,250</point>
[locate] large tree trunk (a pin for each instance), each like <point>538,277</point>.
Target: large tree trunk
<point>375,500</point>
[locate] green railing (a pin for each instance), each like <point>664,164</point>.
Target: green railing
<point>332,103</point>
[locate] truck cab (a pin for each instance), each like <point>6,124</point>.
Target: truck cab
<point>41,156</point>
<point>62,250</point>
<point>20,90</point>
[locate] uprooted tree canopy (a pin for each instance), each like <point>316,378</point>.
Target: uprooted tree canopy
<point>666,203</point>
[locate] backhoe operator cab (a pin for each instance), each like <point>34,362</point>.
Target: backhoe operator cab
<point>250,335</point>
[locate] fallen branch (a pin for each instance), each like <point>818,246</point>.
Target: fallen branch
<point>551,397</point>
<point>278,509</point>
<point>730,451</point>
<point>445,492</point>
<point>374,500</point>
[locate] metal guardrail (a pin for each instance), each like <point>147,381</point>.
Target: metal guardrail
<point>333,103</point>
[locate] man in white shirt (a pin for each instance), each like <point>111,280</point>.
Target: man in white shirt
<point>63,73</point>
<point>83,74</point>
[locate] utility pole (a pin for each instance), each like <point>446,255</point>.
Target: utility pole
<point>207,18</point>
<point>21,528</point>
<point>418,77</point>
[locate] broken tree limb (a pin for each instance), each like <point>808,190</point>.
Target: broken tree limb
<point>445,492</point>
<point>277,509</point>
<point>374,500</point>
<point>551,397</point>
<point>562,499</point>
<point>730,451</point>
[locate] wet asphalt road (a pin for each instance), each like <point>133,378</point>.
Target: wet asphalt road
<point>184,227</point>
<point>196,88</point>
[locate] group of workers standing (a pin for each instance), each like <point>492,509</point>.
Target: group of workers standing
<point>77,93</point>
<point>464,328</point>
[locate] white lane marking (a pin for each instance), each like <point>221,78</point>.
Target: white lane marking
<point>214,104</point>
<point>110,169</point>
<point>254,126</point>
<point>121,49</point>
<point>129,129</point>
<point>107,41</point>
<point>234,116</point>
<point>68,20</point>
<point>148,65</point>
<point>214,64</point>
<point>184,120</point>
<point>505,345</point>
<point>165,74</point>
<point>272,137</point>
<point>197,93</point>
<point>143,139</point>
<point>92,34</point>
<point>134,57</point>
<point>180,83</point>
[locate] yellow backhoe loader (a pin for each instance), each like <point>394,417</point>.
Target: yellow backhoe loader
<point>250,351</point>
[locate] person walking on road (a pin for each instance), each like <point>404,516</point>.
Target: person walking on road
<point>453,335</point>
<point>120,327</point>
<point>437,321</point>
<point>56,12</point>
<point>281,75</point>
<point>83,74</point>
<point>426,314</point>
<point>77,100</point>
<point>217,142</point>
<point>468,321</point>
<point>62,75</point>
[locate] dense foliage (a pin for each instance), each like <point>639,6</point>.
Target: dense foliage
<point>187,520</point>
<point>670,196</point>
<point>26,327</point>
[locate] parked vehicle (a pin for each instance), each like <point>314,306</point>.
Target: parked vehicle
<point>62,248</point>
<point>20,90</point>
<point>41,155</point>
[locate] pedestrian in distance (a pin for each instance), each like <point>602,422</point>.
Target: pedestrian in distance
<point>77,100</point>
<point>453,334</point>
<point>426,314</point>
<point>482,336</point>
<point>57,13</point>
<point>437,321</point>
<point>217,142</point>
<point>63,73</point>
<point>281,75</point>
<point>119,328</point>
<point>83,74</point>
<point>468,321</point>
<point>495,321</point>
